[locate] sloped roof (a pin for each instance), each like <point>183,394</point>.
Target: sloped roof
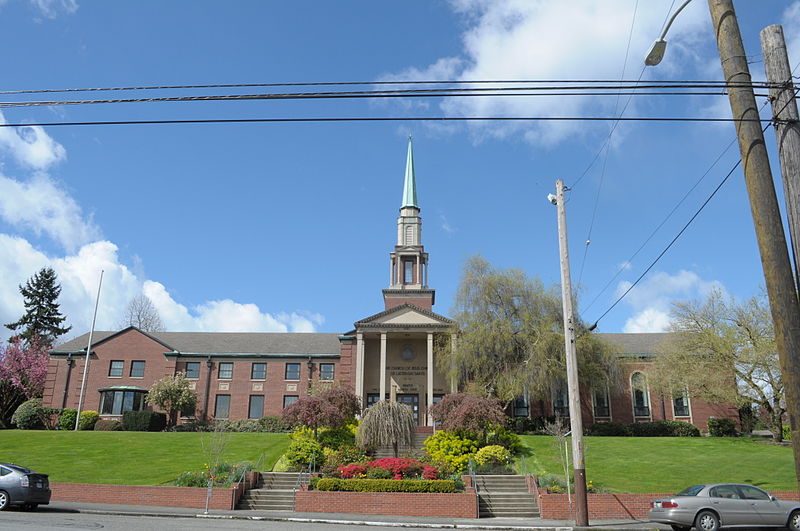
<point>636,344</point>
<point>225,342</point>
<point>376,318</point>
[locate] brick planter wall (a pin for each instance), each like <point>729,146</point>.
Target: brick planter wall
<point>459,505</point>
<point>190,497</point>
<point>613,506</point>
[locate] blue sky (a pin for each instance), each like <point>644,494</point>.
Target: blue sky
<point>287,227</point>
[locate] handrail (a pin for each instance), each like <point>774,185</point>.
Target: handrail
<point>299,481</point>
<point>473,476</point>
<point>257,467</point>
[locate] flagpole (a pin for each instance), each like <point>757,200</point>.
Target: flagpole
<point>88,352</point>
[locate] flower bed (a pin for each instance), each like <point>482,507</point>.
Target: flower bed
<point>386,485</point>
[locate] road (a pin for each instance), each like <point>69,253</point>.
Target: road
<point>61,521</point>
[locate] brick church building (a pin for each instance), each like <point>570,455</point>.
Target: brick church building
<point>389,354</point>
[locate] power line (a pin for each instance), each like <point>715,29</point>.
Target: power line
<point>392,119</point>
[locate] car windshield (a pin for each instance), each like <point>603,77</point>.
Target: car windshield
<point>691,491</point>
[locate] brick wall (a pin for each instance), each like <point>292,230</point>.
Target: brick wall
<point>460,505</point>
<point>191,497</point>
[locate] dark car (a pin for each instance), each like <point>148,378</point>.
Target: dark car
<point>709,507</point>
<point>22,486</point>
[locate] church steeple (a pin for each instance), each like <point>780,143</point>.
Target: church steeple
<point>409,261</point>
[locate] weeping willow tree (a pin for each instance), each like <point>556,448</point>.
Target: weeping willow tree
<point>510,340</point>
<point>386,423</point>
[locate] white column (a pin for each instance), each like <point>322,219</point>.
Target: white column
<point>430,378</point>
<point>453,382</point>
<point>383,366</point>
<point>360,367</point>
<point>418,273</point>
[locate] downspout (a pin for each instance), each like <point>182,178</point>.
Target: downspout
<point>208,389</point>
<point>70,363</point>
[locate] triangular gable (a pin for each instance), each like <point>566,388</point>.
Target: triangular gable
<point>405,314</point>
<point>109,338</point>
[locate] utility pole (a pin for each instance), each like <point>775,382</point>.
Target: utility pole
<point>764,207</point>
<point>88,353</point>
<point>787,129</point>
<point>575,420</point>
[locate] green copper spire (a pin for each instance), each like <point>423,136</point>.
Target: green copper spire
<point>410,186</point>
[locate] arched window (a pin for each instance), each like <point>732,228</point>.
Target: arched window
<point>640,396</point>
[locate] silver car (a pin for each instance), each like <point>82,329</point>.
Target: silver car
<point>709,507</point>
<point>22,486</point>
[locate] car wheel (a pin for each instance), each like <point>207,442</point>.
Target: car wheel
<point>794,521</point>
<point>706,521</point>
<point>676,527</point>
<point>3,500</point>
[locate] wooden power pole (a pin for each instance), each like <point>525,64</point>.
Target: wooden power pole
<point>787,129</point>
<point>575,419</point>
<point>764,207</point>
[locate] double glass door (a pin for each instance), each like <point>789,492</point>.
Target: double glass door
<point>411,401</point>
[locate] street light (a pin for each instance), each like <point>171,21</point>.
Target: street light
<point>656,53</point>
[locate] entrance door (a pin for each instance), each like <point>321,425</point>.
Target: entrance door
<point>411,401</point>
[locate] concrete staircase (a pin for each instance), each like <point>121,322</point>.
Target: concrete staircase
<point>415,450</point>
<point>275,492</point>
<point>505,496</point>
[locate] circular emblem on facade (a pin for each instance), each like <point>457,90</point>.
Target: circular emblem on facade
<point>407,354</point>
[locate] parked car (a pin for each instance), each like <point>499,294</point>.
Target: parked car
<point>22,486</point>
<point>709,507</point>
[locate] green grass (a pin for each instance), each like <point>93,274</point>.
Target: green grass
<point>129,458</point>
<point>668,464</point>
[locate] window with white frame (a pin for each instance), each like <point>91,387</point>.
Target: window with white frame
<point>225,371</point>
<point>680,403</point>
<point>326,371</point>
<point>600,401</point>
<point>640,395</point>
<point>116,368</point>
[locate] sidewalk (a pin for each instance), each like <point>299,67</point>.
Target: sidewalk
<point>353,519</point>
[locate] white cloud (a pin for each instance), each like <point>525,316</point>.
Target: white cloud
<point>52,8</point>
<point>651,299</point>
<point>41,206</point>
<point>524,39</point>
<point>30,146</point>
<point>791,31</point>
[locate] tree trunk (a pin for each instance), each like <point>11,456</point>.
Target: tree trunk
<point>395,448</point>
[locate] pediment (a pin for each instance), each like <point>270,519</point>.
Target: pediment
<point>405,315</point>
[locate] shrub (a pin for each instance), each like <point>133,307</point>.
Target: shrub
<point>609,429</point>
<point>192,479</point>
<point>378,473</point>
<point>66,421</point>
<point>506,438</point>
<point>273,424</point>
<point>239,426</point>
<point>452,449</point>
<point>522,425</point>
<point>107,425</point>
<point>721,427</point>
<point>193,426</point>
<point>303,452</point>
<point>345,455</point>
<point>492,455</point>
<point>143,421</point>
<point>460,411</point>
<point>553,483</point>
<point>88,420</point>
<point>649,429</point>
<point>386,485</point>
<point>679,428</point>
<point>399,467</point>
<point>352,471</point>
<point>787,433</point>
<point>336,437</point>
<point>32,415</point>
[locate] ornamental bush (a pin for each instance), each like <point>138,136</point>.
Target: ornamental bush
<point>609,429</point>
<point>107,425</point>
<point>32,415</point>
<point>303,452</point>
<point>143,421</point>
<point>721,427</point>
<point>273,424</point>
<point>400,468</point>
<point>452,449</point>
<point>787,433</point>
<point>66,421</point>
<point>352,471</point>
<point>345,455</point>
<point>493,455</point>
<point>88,420</point>
<point>385,485</point>
<point>679,428</point>
<point>506,438</point>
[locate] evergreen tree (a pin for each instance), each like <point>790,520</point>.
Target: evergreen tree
<point>42,317</point>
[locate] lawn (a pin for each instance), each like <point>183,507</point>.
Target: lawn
<point>129,458</point>
<point>668,464</point>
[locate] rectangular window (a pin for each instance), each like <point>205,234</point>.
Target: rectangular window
<point>326,371</point>
<point>137,369</point>
<point>600,402</point>
<point>292,371</point>
<point>118,402</point>
<point>521,406</point>
<point>258,371</point>
<point>408,271</point>
<point>680,405</point>
<point>193,369</point>
<point>288,400</point>
<point>225,370</point>
<point>256,409</point>
<point>372,399</point>
<point>222,406</point>
<point>560,404</point>
<point>116,368</point>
